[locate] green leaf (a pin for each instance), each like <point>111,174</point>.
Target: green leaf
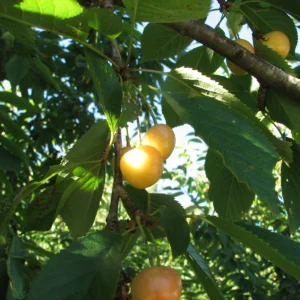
<point>289,6</point>
<point>284,110</point>
<point>9,162</point>
<point>203,273</point>
<point>91,146</point>
<point>272,57</point>
<point>13,127</point>
<point>107,86</point>
<point>151,202</point>
<point>231,198</point>
<point>202,59</point>
<point>16,69</point>
<point>9,210</point>
<point>16,268</point>
<point>167,11</point>
<point>235,21</point>
<point>44,72</point>
<point>15,149</point>
<point>129,239</point>
<point>270,19</point>
<point>194,83</point>
<point>104,21</point>
<point>277,248</point>
<point>5,181</point>
<point>18,102</point>
<point>130,112</point>
<point>40,213</point>
<point>232,130</point>
<point>176,228</point>
<point>94,258</point>
<point>80,201</point>
<point>22,33</point>
<point>63,17</point>
<point>290,182</point>
<point>240,86</point>
<point>159,41</point>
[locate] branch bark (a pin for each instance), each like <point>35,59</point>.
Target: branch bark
<point>112,222</point>
<point>264,72</point>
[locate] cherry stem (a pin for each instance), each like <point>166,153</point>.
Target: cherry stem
<point>149,108</point>
<point>155,246</point>
<point>127,137</point>
<point>138,221</point>
<point>139,130</point>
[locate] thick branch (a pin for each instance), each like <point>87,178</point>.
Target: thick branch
<point>266,73</point>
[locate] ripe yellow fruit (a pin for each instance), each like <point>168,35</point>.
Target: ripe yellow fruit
<point>122,152</point>
<point>233,67</point>
<point>156,283</point>
<point>142,166</point>
<point>161,137</point>
<point>277,41</point>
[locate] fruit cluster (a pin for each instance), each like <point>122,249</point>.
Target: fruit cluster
<point>276,40</point>
<point>142,166</point>
<point>156,283</point>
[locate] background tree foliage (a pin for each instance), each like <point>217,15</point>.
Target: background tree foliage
<point>72,73</point>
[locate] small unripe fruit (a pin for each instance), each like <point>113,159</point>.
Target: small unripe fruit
<point>277,41</point>
<point>161,137</point>
<point>233,67</point>
<point>142,166</point>
<point>157,283</point>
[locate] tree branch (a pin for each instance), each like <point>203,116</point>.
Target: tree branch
<point>115,54</point>
<point>112,222</point>
<point>265,73</point>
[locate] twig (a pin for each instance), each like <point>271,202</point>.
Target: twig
<point>139,130</point>
<point>147,105</point>
<point>115,53</point>
<point>112,222</point>
<point>130,206</point>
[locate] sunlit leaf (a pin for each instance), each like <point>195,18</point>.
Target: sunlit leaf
<point>62,17</point>
<point>107,86</point>
<point>167,11</point>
